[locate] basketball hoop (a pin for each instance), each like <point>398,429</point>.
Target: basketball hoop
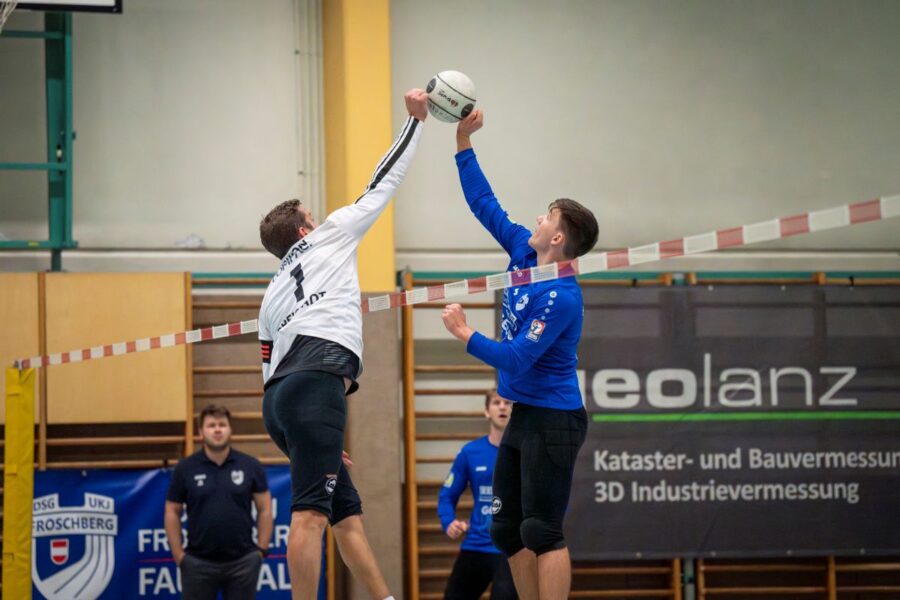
<point>6,8</point>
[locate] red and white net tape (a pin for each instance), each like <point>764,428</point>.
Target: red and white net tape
<point>832,218</point>
<point>193,336</point>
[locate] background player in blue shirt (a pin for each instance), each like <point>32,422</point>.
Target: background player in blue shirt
<point>479,563</point>
<point>536,360</point>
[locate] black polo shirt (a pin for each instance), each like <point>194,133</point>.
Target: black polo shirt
<point>218,499</point>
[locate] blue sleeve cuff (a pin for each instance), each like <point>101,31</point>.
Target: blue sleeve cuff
<point>461,156</point>
<point>475,346</point>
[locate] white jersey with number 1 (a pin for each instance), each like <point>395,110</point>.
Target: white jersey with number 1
<point>316,290</point>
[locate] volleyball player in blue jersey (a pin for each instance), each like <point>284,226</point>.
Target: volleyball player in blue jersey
<point>479,563</point>
<point>536,360</point>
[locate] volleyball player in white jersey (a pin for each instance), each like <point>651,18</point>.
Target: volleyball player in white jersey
<point>310,329</point>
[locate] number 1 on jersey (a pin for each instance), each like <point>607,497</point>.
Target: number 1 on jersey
<point>297,273</point>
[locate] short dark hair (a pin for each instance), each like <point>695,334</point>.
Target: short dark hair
<point>213,410</point>
<point>579,226</point>
<point>488,397</point>
<point>278,229</point>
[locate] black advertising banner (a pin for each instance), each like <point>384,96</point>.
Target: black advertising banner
<point>740,420</point>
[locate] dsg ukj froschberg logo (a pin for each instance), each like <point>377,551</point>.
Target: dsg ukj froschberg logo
<point>73,553</point>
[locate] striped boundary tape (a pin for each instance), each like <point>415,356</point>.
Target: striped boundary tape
<point>832,218</point>
<point>194,336</point>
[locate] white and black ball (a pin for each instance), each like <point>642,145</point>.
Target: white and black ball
<point>451,96</point>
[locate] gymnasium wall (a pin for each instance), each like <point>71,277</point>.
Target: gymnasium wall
<point>19,310</point>
<point>81,310</point>
<point>190,119</point>
<point>666,118</point>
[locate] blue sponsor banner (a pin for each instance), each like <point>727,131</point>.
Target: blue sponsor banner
<point>99,535</point>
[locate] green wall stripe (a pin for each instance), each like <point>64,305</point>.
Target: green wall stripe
<point>845,415</point>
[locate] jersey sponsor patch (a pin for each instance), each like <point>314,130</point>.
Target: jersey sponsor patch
<point>485,494</point>
<point>265,347</point>
<point>449,481</point>
<point>481,468</point>
<point>535,330</point>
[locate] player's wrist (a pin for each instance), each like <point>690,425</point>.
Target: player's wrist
<point>263,551</point>
<point>464,333</point>
<point>463,142</point>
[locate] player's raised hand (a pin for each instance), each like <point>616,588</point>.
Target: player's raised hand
<point>456,529</point>
<point>455,321</point>
<point>470,124</point>
<point>417,103</point>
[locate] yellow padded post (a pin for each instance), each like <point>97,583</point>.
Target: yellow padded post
<point>18,484</point>
<point>357,91</point>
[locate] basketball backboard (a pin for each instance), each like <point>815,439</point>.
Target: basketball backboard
<point>112,6</point>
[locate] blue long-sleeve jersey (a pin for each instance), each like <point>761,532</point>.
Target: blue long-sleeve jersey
<point>473,465</point>
<point>536,354</point>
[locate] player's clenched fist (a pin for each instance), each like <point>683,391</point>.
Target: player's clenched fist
<point>416,103</point>
<point>456,529</point>
<point>455,322</point>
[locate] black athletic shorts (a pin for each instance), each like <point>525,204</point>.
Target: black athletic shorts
<point>305,414</point>
<point>473,571</point>
<point>534,468</point>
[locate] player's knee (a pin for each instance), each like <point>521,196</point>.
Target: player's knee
<point>540,535</point>
<point>307,520</point>
<point>505,536</point>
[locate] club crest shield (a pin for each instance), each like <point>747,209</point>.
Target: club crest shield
<point>237,477</point>
<point>59,551</point>
<point>73,556</point>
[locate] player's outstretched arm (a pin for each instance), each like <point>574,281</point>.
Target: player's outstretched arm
<point>466,127</point>
<point>479,195</point>
<point>554,313</point>
<point>357,218</point>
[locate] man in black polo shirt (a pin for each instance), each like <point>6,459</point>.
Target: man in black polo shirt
<point>217,483</point>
